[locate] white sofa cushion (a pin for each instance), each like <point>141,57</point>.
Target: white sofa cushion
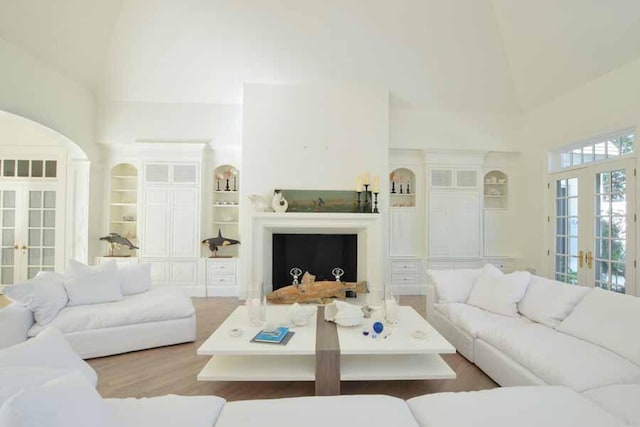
<point>560,359</point>
<point>499,293</point>
<point>136,278</point>
<point>619,399</point>
<point>549,302</point>
<point>16,378</point>
<point>15,322</point>
<point>454,285</point>
<point>602,317</point>
<point>49,349</point>
<point>166,411</point>
<point>67,401</point>
<point>153,306</point>
<point>92,285</point>
<point>44,295</point>
<point>508,407</point>
<point>354,411</point>
<point>472,319</point>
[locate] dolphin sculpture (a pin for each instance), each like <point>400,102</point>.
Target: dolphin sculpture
<point>114,239</point>
<point>214,243</point>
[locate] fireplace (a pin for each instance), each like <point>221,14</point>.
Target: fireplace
<point>318,254</point>
<point>258,261</point>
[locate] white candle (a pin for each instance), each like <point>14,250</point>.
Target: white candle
<point>376,184</point>
<point>366,179</point>
<point>358,184</point>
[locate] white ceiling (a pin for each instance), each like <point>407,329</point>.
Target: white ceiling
<point>468,55</point>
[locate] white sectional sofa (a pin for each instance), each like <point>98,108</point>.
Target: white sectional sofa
<point>99,317</point>
<point>561,335</point>
<point>43,382</point>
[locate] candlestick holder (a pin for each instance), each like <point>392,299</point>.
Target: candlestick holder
<point>375,203</point>
<point>408,189</point>
<point>218,184</point>
<point>358,202</point>
<point>235,183</point>
<point>366,207</point>
<point>393,187</point>
<point>227,188</point>
<point>401,189</point>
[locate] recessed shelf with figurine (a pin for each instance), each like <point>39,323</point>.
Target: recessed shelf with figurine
<point>123,205</point>
<point>496,185</point>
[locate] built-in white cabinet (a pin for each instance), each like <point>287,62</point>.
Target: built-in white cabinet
<point>222,277</point>
<point>171,211</point>
<point>454,224</point>
<point>403,211</point>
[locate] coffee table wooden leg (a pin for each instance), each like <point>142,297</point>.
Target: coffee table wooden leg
<point>327,357</point>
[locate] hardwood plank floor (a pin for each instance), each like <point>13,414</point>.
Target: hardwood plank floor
<point>174,369</point>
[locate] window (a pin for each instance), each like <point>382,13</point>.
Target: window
<point>29,168</point>
<point>598,149</point>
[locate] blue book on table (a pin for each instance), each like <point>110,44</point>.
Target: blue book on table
<point>274,336</point>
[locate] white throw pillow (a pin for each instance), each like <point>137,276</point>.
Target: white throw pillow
<point>67,401</point>
<point>48,350</point>
<point>499,293</point>
<point>16,378</point>
<point>549,302</point>
<point>454,285</point>
<point>606,319</point>
<point>136,278</point>
<point>91,285</point>
<point>44,295</point>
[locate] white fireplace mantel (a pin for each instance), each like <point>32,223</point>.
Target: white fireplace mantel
<point>368,227</point>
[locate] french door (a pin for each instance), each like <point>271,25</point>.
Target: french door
<point>594,226</point>
<point>30,227</point>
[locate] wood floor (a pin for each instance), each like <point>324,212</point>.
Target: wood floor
<point>174,369</point>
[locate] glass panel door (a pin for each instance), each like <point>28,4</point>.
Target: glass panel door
<point>613,255</point>
<point>8,239</point>
<point>567,257</point>
<point>41,232</point>
<point>593,226</point>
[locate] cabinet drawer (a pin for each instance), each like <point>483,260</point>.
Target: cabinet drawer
<point>404,266</point>
<point>404,279</point>
<point>222,267</point>
<point>222,280</point>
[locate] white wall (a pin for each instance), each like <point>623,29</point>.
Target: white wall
<point>456,130</point>
<point>32,89</point>
<point>609,103</point>
<point>310,137</point>
<point>125,122</point>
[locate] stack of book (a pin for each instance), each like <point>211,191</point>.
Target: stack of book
<point>274,337</point>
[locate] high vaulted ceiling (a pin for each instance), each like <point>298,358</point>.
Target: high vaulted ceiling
<point>468,55</point>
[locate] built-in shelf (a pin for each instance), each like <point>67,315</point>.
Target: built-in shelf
<point>401,178</point>
<point>496,190</point>
<point>226,205</point>
<point>123,206</point>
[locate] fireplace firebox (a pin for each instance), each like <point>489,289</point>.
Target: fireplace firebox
<point>318,254</point>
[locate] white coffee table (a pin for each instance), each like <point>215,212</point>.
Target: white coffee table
<point>400,356</point>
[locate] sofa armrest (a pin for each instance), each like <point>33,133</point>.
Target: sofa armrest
<point>431,297</point>
<point>15,322</point>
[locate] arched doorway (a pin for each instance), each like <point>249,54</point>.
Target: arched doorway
<point>44,194</point>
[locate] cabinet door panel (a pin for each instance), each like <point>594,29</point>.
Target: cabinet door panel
<point>454,223</point>
<point>156,231</point>
<point>402,234</point>
<point>185,197</point>
<point>184,273</point>
<point>184,232</point>
<point>159,272</point>
<point>157,196</point>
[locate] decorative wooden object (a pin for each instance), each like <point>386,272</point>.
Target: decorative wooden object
<point>316,292</point>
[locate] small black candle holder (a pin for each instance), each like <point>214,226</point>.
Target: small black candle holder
<point>358,203</point>
<point>235,183</point>
<point>218,184</point>
<point>408,189</point>
<point>227,188</point>
<point>375,203</point>
<point>366,207</point>
<point>401,189</point>
<point>393,187</point>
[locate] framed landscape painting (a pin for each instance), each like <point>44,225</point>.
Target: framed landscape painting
<point>322,200</point>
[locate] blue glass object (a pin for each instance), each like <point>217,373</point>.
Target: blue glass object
<point>378,327</point>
